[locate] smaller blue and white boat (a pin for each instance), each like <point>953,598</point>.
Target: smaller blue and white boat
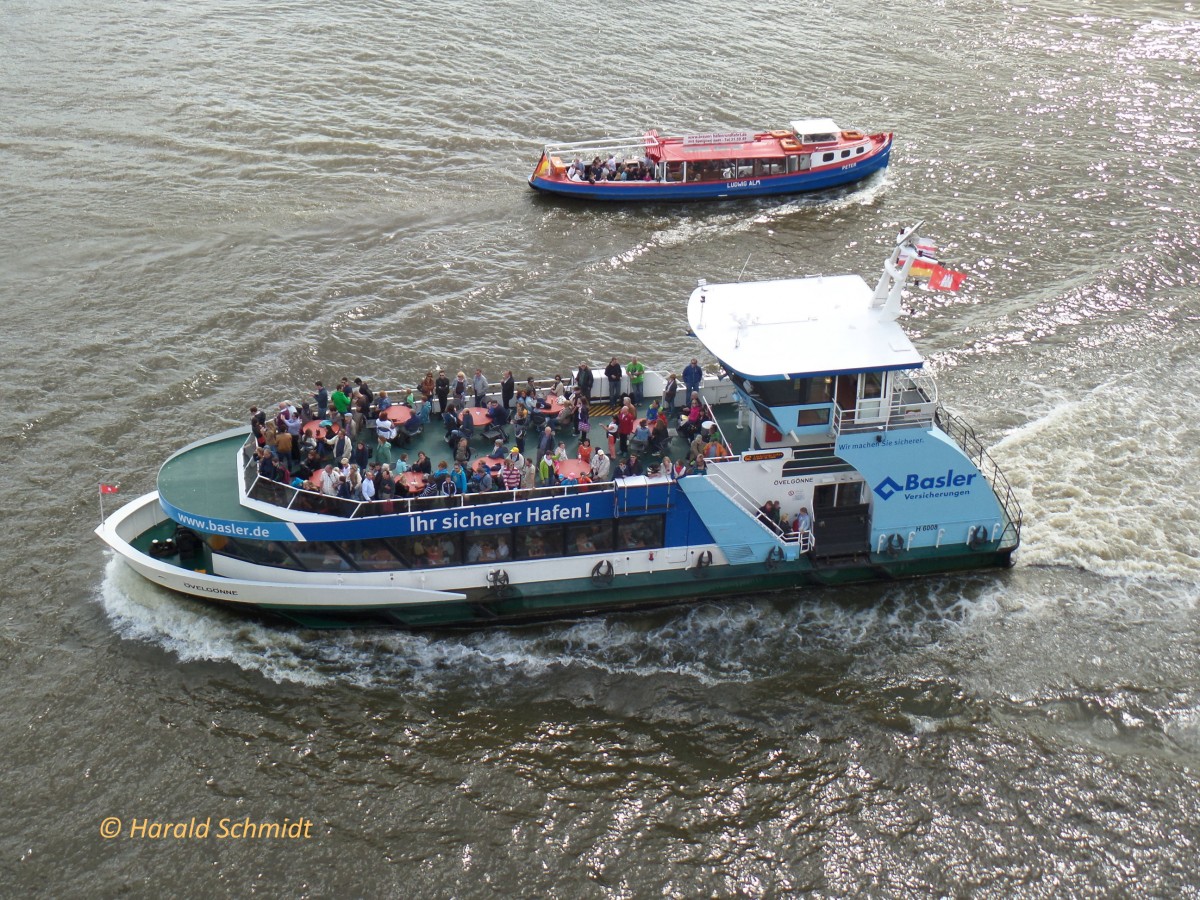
<point>811,155</point>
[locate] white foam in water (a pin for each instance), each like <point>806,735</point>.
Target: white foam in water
<point>196,631</point>
<point>1105,478</point>
<point>711,643</point>
<point>721,224</point>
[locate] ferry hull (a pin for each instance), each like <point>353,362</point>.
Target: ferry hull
<point>331,603</point>
<point>774,185</point>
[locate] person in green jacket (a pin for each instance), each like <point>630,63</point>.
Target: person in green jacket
<point>637,377</point>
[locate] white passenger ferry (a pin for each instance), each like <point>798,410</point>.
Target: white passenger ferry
<point>823,406</point>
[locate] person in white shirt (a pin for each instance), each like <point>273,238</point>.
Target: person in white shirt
<point>600,466</point>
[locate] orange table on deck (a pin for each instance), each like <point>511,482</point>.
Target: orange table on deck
<point>479,416</point>
<point>486,461</point>
<point>314,426</point>
<point>576,467</point>
<point>398,413</point>
<point>414,482</point>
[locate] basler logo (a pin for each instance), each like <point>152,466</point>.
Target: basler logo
<point>951,484</point>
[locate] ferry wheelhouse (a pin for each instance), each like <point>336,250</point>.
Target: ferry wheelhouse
<point>811,155</point>
<point>823,406</point>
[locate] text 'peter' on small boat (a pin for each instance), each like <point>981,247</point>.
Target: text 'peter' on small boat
<point>812,155</point>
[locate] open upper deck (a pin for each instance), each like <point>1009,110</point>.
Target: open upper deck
<point>799,327</point>
<point>213,478</point>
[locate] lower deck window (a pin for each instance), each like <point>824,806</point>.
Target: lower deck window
<point>639,533</point>
<point>539,541</point>
<point>425,551</point>
<point>587,538</point>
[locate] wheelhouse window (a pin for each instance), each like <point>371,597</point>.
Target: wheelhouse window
<point>813,416</point>
<point>793,392</point>
<point>827,157</point>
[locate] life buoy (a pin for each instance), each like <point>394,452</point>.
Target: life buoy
<point>783,133</point>
<point>602,572</point>
<point>774,557</point>
<point>789,144</point>
<point>852,135</point>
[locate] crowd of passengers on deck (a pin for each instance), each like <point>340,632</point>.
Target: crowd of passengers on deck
<point>611,169</point>
<point>344,448</point>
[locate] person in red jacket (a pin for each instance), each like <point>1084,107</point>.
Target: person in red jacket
<point>626,420</point>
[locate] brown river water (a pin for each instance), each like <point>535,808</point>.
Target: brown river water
<point>208,205</point>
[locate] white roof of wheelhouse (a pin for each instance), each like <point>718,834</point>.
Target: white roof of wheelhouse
<point>797,327</point>
<point>814,126</point>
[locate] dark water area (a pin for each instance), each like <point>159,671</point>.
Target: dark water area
<point>210,205</point>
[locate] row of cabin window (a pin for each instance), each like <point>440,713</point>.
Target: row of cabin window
<point>440,549</point>
<point>718,170</point>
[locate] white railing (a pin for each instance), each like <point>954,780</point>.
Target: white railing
<point>734,492</point>
<point>639,143</point>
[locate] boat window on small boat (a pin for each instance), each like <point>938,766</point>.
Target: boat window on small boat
<point>827,157</point>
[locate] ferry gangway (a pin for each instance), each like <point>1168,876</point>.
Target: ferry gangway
<point>738,495</point>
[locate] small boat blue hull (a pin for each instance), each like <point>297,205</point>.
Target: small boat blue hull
<point>767,186</point>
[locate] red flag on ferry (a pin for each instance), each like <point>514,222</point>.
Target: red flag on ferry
<point>941,279</point>
<point>108,489</point>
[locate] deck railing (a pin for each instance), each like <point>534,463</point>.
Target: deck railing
<point>258,487</point>
<point>912,404</point>
<point>738,495</point>
<point>277,493</point>
<point>624,144</point>
<point>964,435</point>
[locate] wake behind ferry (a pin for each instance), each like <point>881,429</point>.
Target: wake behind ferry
<point>820,455</point>
<point>811,155</point>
